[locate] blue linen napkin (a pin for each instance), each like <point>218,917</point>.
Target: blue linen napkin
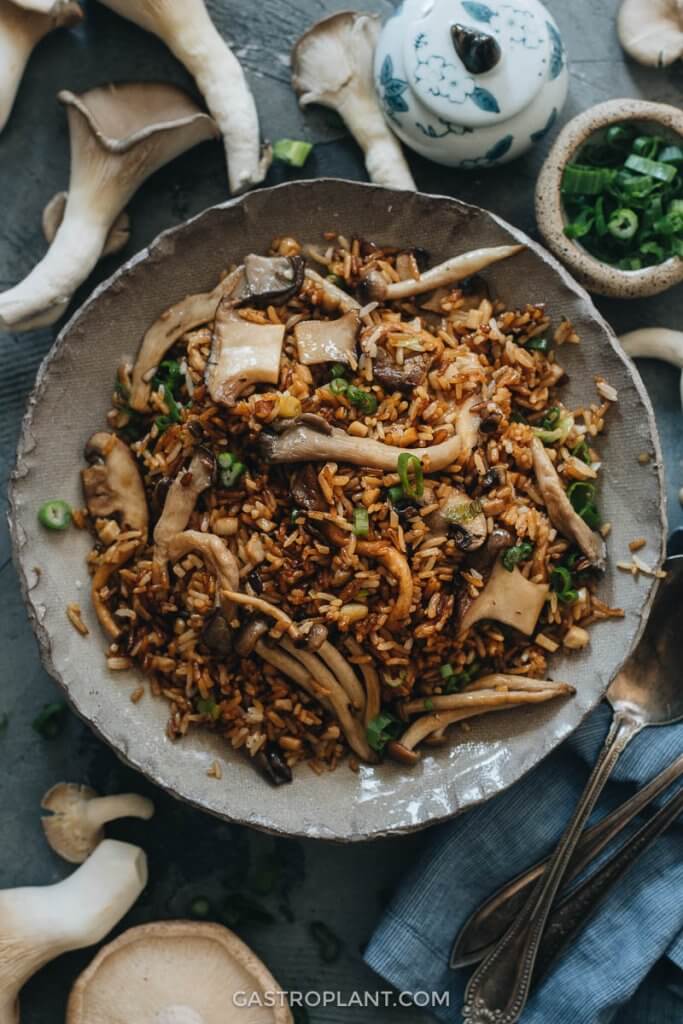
<point>606,975</point>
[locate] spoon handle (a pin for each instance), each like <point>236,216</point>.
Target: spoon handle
<point>489,921</point>
<point>499,988</point>
<point>574,912</point>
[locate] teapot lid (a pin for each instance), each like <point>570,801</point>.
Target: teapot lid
<point>478,63</point>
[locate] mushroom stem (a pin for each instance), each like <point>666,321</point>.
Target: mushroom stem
<point>22,26</point>
<point>655,343</point>
<point>397,565</point>
<point>338,664</point>
<point>451,272</point>
<point>39,924</point>
<point>373,695</point>
<point>490,694</point>
<point>124,805</point>
<point>192,37</point>
<point>384,157</point>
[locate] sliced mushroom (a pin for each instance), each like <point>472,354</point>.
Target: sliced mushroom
<point>22,26</point>
<point>305,490</point>
<point>304,444</point>
<point>177,972</point>
<point>462,517</point>
<point>242,353</point>
<point>376,288</point>
<point>119,136</point>
<point>334,295</point>
<point>74,827</point>
<point>397,565</point>
<point>181,499</point>
<point>651,31</point>
<point>343,671</point>
<point>560,510</point>
<point>324,669</point>
<point>121,553</point>
<point>53,215</point>
<point>176,321</point>
<point>272,280</point>
<point>392,377</point>
<point>332,64</point>
<point>490,691</point>
<point>482,703</point>
<point>273,765</point>
<point>510,598</point>
<point>328,341</point>
<point>249,636</point>
<point>189,33</point>
<point>373,689</point>
<point>217,557</point>
<point>39,923</point>
<point>217,634</point>
<point>113,485</point>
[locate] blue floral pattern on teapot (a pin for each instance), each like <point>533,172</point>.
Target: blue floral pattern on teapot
<point>489,111</point>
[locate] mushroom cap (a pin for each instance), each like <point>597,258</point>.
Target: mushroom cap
<point>331,52</point>
<point>651,31</point>
<point>67,830</point>
<point>120,116</point>
<point>176,972</point>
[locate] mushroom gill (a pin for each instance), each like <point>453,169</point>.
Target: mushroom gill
<point>120,134</point>
<point>112,484</point>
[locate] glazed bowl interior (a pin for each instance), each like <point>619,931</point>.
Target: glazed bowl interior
<point>71,400</point>
<point>592,125</point>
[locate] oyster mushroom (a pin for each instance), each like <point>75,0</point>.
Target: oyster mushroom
<point>510,598</point>
<point>177,972</point>
<point>373,689</point>
<point>335,296</point>
<point>242,353</point>
<point>328,341</point>
<point>74,828</point>
<point>397,566</point>
<point>53,215</point>
<point>119,136</point>
<point>304,443</point>
<point>655,343</point>
<point>376,287</point>
<point>392,377</point>
<point>217,557</point>
<point>560,510</point>
<point>191,36</point>
<point>22,26</point>
<point>457,707</point>
<point>459,516</point>
<point>491,691</point>
<point>272,280</point>
<point>651,31</point>
<point>184,316</point>
<point>332,64</point>
<point>40,923</point>
<point>113,485</point>
<point>181,500</point>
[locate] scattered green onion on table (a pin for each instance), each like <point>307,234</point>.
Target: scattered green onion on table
<point>624,198</point>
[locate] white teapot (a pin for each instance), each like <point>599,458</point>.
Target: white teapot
<point>471,84</point>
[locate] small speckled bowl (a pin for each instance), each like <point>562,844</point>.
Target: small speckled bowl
<point>595,275</point>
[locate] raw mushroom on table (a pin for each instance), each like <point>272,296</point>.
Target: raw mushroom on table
<point>74,827</point>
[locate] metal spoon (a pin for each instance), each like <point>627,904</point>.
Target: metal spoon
<point>647,691</point>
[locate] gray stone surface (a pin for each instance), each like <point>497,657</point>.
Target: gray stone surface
<point>191,854</point>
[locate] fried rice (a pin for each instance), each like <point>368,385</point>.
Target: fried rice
<point>308,607</point>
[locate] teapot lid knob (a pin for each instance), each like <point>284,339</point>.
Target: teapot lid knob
<point>479,51</point>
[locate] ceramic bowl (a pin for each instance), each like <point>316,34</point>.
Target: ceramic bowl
<point>71,399</point>
<point>597,276</point>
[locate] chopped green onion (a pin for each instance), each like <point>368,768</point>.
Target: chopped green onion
<point>209,707</point>
<point>581,180</point>
<point>582,497</point>
<point>381,729</point>
<point>519,553</point>
<point>600,219</point>
<point>231,469</point>
<point>51,720</point>
<point>623,223</point>
<point>618,134</point>
<point>411,475</point>
<point>653,168</point>
<point>562,583</point>
<point>447,671</point>
<point>163,423</point>
<point>338,386</point>
<point>55,515</point>
<point>538,345</point>
<point>292,151</point>
<point>339,370</point>
<point>295,515</point>
<point>363,400</point>
<point>551,418</point>
<point>200,907</point>
<point>396,494</point>
<point>361,522</point>
<point>428,704</point>
<point>563,425</point>
<point>671,155</point>
<point>582,226</point>
<point>645,145</point>
<point>336,280</point>
<point>457,680</point>
<point>582,451</point>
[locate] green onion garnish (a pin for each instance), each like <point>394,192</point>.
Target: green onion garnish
<point>411,475</point>
<point>200,907</point>
<point>292,151</point>
<point>396,495</point>
<point>538,344</point>
<point>582,451</point>
<point>363,400</point>
<point>582,497</point>
<point>381,729</point>
<point>519,553</point>
<point>55,515</point>
<point>338,386</point>
<point>230,469</point>
<point>338,370</point>
<point>562,583</point>
<point>361,522</point>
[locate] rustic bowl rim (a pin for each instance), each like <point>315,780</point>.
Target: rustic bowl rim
<point>595,275</point>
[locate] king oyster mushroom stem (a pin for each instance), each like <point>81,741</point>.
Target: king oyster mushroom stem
<point>22,26</point>
<point>303,443</point>
<point>377,289</point>
<point>120,134</point>
<point>651,31</point>
<point>74,827</point>
<point>192,37</point>
<point>53,215</point>
<point>655,343</point>
<point>38,924</point>
<point>332,64</point>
